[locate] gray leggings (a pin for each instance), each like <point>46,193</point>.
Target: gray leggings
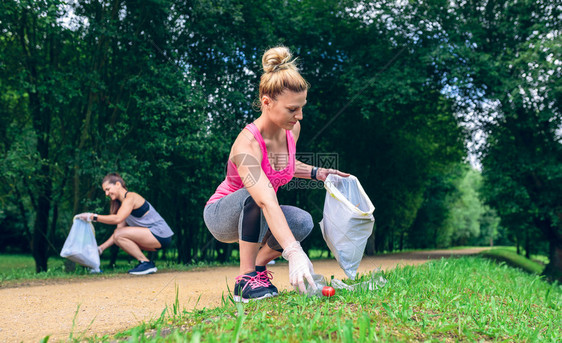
<point>225,216</point>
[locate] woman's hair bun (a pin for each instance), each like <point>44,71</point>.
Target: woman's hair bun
<point>280,73</point>
<point>277,58</point>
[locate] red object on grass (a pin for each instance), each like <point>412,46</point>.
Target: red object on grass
<point>328,291</point>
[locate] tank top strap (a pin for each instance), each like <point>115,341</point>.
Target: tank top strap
<point>292,146</point>
<point>256,132</point>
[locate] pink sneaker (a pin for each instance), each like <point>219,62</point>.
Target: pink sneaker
<point>265,276</point>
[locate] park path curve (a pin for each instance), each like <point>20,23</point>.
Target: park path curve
<point>110,305</point>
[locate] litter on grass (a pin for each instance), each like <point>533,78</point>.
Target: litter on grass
<point>319,281</point>
<point>375,281</point>
<point>372,284</point>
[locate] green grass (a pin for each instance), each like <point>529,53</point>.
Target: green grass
<point>22,267</point>
<point>17,269</point>
<point>464,299</point>
<point>510,257</point>
<point>543,259</point>
<point>11,263</point>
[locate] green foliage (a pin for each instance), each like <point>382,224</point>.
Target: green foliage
<point>489,228</point>
<point>158,92</point>
<point>483,301</point>
<point>433,226</point>
<point>397,127</point>
<point>468,209</point>
<point>452,212</point>
<point>514,67</point>
<point>501,63</point>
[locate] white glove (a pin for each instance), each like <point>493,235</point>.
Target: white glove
<point>87,217</point>
<point>300,266</point>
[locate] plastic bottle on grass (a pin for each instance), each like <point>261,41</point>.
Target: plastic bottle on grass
<point>374,282</point>
<point>319,281</point>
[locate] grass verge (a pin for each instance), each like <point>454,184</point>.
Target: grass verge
<point>464,299</point>
<point>18,269</point>
<point>510,257</point>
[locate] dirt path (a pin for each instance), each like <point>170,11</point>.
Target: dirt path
<point>107,306</point>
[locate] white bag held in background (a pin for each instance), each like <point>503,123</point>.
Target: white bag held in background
<point>81,246</point>
<point>348,221</point>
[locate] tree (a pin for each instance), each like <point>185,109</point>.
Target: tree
<point>37,69</point>
<point>433,226</point>
<point>103,94</point>
<point>467,210</point>
<point>503,59</point>
<point>489,228</point>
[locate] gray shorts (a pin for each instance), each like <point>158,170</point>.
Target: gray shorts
<point>224,220</point>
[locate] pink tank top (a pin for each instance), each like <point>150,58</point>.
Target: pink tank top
<point>233,182</point>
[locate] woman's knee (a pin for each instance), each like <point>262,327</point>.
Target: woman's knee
<point>122,235</point>
<point>223,228</point>
<point>118,237</point>
<point>301,225</point>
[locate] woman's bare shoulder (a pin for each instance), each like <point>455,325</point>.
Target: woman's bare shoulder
<point>135,198</point>
<point>296,131</point>
<point>244,145</point>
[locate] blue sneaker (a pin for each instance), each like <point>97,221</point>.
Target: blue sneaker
<point>143,268</point>
<point>250,287</point>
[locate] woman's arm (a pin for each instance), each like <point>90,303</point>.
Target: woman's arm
<point>306,171</point>
<point>246,155</point>
<point>110,241</point>
<point>106,244</point>
<point>123,212</point>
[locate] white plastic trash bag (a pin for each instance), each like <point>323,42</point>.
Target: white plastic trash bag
<point>348,221</point>
<point>81,246</point>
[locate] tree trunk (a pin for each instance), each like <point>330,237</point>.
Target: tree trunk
<point>42,126</point>
<point>40,246</point>
<point>184,256</point>
<point>83,139</point>
<point>113,250</point>
<point>528,245</point>
<point>553,269</point>
<point>391,240</point>
<point>370,247</point>
<point>53,227</point>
